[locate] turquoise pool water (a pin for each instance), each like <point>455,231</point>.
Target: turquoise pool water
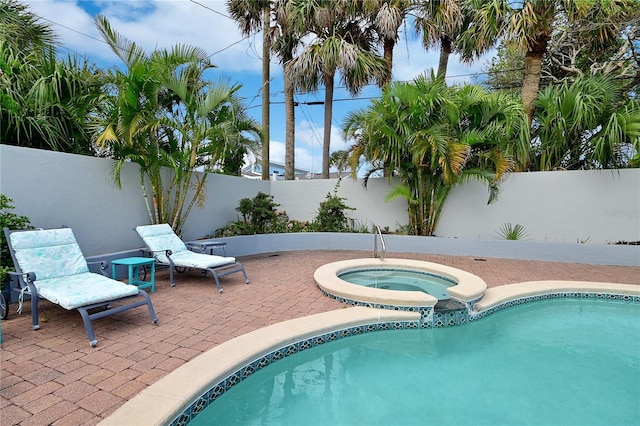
<point>400,279</point>
<point>560,362</point>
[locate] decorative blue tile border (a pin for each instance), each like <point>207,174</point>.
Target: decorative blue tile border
<point>425,311</point>
<point>474,316</point>
<point>427,320</point>
<point>239,375</point>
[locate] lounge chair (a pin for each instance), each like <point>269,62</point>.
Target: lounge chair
<point>49,265</point>
<point>169,250</point>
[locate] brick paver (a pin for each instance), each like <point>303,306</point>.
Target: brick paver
<point>53,376</point>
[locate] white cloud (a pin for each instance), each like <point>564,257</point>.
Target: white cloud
<point>154,24</point>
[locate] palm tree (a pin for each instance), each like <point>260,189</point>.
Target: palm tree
<point>340,42</point>
<point>252,16</point>
<point>386,16</point>
<point>432,137</point>
<point>161,114</point>
<point>22,29</point>
<point>286,41</point>
<point>529,25</point>
<point>441,22</point>
<point>585,124</point>
<point>44,101</point>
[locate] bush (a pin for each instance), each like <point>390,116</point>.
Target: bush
<point>260,216</point>
<point>332,215</point>
<point>11,221</point>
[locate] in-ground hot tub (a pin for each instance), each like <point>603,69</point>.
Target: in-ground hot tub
<point>466,287</point>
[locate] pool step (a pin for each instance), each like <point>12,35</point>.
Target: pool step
<point>449,305</point>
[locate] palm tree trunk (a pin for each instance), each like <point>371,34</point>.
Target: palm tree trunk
<point>328,114</point>
<point>443,62</point>
<point>289,136</point>
<point>531,81</point>
<point>389,44</point>
<point>266,57</point>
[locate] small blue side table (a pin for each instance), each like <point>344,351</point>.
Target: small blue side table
<point>134,264</point>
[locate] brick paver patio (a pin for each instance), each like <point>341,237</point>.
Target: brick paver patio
<point>52,376</point>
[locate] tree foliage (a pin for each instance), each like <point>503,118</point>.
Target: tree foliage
<point>44,101</point>
<point>433,137</point>
<point>162,115</point>
<point>585,124</point>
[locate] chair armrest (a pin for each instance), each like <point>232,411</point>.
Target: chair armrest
<point>25,279</point>
<point>152,253</point>
<point>103,266</point>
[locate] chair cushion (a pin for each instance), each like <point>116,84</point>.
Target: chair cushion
<point>159,238</point>
<point>190,259</point>
<point>49,253</point>
<point>87,288</point>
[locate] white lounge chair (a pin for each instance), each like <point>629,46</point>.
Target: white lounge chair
<point>49,265</point>
<point>169,250</point>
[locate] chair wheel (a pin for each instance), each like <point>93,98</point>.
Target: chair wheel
<point>4,307</point>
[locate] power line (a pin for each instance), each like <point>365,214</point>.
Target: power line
<point>126,51</point>
<point>211,9</point>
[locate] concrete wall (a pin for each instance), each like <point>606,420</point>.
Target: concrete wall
<point>55,189</point>
<point>593,206</point>
<point>301,199</point>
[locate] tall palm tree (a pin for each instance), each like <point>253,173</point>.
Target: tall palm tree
<point>340,42</point>
<point>441,22</point>
<point>253,16</point>
<point>529,25</point>
<point>386,17</point>
<point>432,137</point>
<point>286,42</point>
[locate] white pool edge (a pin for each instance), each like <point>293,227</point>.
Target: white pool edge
<point>161,402</point>
<point>470,287</point>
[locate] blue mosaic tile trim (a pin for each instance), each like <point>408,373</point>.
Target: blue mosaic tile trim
<point>474,316</point>
<point>425,311</point>
<point>244,372</point>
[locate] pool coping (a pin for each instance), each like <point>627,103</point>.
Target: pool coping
<point>470,287</point>
<point>160,403</point>
<point>164,401</point>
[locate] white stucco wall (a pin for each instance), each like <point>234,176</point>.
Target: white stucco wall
<point>301,200</point>
<point>595,206</point>
<point>55,189</point>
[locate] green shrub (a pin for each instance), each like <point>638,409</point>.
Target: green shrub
<point>11,221</point>
<point>332,216</point>
<point>512,232</point>
<point>260,216</point>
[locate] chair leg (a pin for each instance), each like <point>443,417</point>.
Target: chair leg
<point>215,277</point>
<point>88,327</point>
<point>152,313</point>
<point>171,280</point>
<point>35,321</point>
<point>246,279</point>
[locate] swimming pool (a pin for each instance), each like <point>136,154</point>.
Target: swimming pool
<point>401,279</point>
<point>562,361</point>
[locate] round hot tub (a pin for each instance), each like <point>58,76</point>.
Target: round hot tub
<point>452,283</point>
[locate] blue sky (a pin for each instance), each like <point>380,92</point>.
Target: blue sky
<point>162,23</point>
